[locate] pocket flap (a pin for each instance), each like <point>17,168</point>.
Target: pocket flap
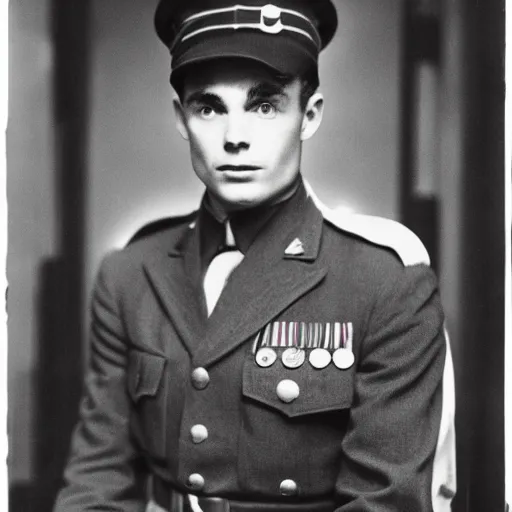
<point>323,390</point>
<point>144,373</point>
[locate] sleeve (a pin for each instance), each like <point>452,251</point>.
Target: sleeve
<point>104,471</point>
<point>444,479</point>
<point>390,445</point>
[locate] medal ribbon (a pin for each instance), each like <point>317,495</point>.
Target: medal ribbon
<point>329,336</point>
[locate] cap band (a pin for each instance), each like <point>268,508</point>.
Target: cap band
<point>269,19</point>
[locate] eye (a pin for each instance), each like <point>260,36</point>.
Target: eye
<point>266,110</point>
<point>206,112</point>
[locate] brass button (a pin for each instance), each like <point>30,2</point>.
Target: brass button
<point>288,390</point>
<point>288,488</point>
<point>195,482</point>
<point>200,378</point>
<point>199,433</point>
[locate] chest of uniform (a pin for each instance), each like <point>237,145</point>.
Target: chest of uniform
<point>312,346</point>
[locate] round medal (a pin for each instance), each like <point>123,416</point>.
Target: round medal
<point>293,357</point>
<point>343,358</point>
<point>319,358</point>
<point>265,357</point>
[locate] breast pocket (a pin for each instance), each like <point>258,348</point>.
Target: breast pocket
<point>148,391</point>
<point>293,424</point>
<point>317,391</point>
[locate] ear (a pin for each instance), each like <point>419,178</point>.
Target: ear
<point>181,122</point>
<point>313,114</point>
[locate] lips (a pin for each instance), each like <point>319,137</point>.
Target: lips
<point>238,168</point>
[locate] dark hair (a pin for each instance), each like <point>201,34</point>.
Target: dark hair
<point>308,79</point>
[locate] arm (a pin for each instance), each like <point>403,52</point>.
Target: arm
<point>392,437</point>
<point>104,471</point>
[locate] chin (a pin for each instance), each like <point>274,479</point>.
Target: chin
<point>240,197</point>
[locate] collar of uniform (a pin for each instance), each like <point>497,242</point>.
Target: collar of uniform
<point>275,228</point>
<point>299,219</point>
<point>211,230</point>
<point>297,215</point>
<point>245,224</point>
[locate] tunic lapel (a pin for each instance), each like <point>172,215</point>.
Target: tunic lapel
<point>174,277</point>
<point>266,282</point>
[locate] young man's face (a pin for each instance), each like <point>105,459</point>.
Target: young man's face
<point>245,131</point>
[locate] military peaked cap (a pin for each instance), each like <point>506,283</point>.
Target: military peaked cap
<point>286,35</point>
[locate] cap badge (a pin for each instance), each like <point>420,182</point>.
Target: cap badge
<point>270,19</point>
<point>295,248</point>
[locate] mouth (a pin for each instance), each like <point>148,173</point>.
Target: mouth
<point>238,168</point>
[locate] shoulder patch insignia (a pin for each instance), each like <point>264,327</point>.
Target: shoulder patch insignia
<point>377,230</point>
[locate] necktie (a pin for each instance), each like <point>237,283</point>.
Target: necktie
<point>220,269</point>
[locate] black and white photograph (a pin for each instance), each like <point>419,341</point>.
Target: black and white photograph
<point>258,256</point>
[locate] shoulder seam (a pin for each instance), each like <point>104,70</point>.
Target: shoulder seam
<point>377,230</point>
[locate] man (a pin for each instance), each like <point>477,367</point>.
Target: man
<point>261,354</point>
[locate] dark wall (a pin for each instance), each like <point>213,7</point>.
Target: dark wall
<point>56,278</point>
<point>478,238</point>
<point>480,368</point>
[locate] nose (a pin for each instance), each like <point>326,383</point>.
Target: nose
<point>236,135</point>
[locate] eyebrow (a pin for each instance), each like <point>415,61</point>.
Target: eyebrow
<point>266,90</point>
<point>207,98</point>
<point>262,90</point>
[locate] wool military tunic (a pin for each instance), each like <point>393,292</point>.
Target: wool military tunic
<point>182,396</point>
